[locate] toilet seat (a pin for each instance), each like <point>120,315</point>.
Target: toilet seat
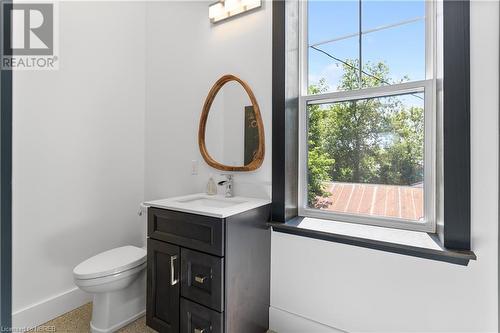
<point>111,263</point>
<point>103,280</point>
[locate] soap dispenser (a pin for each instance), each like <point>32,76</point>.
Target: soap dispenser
<point>211,187</point>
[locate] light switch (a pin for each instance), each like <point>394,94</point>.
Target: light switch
<point>194,167</point>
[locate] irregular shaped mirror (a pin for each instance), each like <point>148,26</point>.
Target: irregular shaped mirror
<point>231,133</point>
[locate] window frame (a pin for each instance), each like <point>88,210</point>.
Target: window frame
<point>428,86</point>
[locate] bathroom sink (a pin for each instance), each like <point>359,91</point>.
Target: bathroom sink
<point>212,202</point>
<point>209,205</point>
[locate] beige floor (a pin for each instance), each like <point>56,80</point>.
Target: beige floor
<point>78,321</point>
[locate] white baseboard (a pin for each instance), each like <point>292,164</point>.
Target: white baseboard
<point>282,321</point>
<point>50,308</point>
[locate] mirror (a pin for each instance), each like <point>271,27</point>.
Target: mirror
<point>231,132</point>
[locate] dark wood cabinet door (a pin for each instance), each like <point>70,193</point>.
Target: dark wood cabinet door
<point>196,318</point>
<point>162,313</point>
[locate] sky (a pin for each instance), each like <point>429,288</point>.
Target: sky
<point>401,47</point>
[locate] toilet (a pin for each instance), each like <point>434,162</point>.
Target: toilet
<point>117,280</point>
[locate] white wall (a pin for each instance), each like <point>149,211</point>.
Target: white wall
<point>362,290</point>
<point>185,56</point>
<point>78,145</point>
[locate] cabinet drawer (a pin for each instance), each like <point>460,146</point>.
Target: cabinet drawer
<point>189,230</point>
<point>202,278</point>
<point>199,319</point>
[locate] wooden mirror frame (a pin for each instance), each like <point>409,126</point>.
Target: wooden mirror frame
<point>259,156</point>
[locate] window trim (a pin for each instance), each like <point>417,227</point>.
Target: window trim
<point>285,91</point>
<point>411,244</point>
<point>428,86</point>
<point>456,121</point>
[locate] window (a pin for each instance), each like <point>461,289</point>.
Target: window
<point>367,137</point>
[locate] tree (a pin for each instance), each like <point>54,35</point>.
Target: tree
<point>319,162</point>
<point>378,140</point>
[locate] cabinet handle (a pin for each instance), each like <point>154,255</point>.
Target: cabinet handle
<point>200,279</point>
<point>173,279</point>
<point>199,330</point>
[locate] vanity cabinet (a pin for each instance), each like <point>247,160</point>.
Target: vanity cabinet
<point>207,274</point>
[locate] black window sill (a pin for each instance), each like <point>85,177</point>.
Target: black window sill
<point>299,227</point>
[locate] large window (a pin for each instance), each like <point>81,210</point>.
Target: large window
<point>367,112</point>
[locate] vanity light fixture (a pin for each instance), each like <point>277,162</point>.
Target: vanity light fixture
<point>224,9</point>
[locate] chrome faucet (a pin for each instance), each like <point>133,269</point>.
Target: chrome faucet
<point>229,185</point>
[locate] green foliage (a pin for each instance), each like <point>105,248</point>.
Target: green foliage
<point>377,140</point>
<point>318,164</point>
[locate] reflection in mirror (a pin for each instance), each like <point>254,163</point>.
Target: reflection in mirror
<point>232,136</point>
<point>231,133</point>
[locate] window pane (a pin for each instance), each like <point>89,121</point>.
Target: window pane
<point>381,13</point>
<point>392,44</point>
<point>335,25</point>
<point>367,157</point>
<point>327,74</point>
<point>331,19</point>
<point>394,55</point>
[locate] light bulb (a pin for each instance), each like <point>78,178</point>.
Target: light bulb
<point>231,5</point>
<point>250,4</point>
<point>215,10</point>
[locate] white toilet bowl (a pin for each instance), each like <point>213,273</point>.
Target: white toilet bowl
<point>117,279</point>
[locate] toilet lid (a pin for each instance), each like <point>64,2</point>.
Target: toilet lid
<point>110,262</point>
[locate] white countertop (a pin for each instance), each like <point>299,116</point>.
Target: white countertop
<point>200,204</point>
